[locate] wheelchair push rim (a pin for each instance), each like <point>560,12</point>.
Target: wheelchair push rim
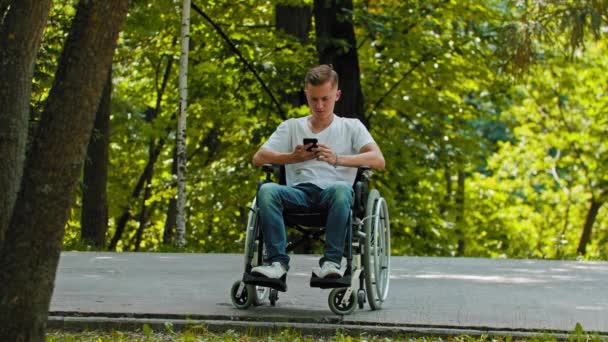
<point>376,254</point>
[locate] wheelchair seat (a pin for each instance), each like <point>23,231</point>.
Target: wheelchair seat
<point>311,219</point>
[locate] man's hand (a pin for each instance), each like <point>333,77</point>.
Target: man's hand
<point>326,154</point>
<point>300,154</point>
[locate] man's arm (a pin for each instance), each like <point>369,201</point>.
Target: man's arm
<point>268,156</point>
<point>369,155</point>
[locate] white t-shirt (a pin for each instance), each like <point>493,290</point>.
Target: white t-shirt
<point>345,136</point>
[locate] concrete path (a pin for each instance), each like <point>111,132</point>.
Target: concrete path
<point>449,295</point>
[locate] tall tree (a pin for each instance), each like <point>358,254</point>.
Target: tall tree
<point>180,236</point>
<point>94,214</point>
<point>336,45</point>
<point>30,252</point>
<point>20,37</point>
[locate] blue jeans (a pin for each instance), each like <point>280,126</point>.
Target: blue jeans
<point>273,198</point>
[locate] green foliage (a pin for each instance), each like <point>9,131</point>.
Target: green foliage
<point>229,115</point>
<point>535,25</point>
<point>200,333</point>
<point>541,184</point>
<point>47,60</point>
<point>432,60</point>
<point>440,98</point>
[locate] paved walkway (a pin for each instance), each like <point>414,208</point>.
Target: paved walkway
<point>452,295</point>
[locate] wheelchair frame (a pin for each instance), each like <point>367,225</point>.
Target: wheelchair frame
<point>367,274</point>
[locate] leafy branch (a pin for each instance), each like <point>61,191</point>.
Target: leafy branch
<point>394,86</point>
<point>238,53</point>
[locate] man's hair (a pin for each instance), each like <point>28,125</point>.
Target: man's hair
<point>321,74</point>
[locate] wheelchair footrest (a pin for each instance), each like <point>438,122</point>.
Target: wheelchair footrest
<point>329,283</point>
<point>277,284</point>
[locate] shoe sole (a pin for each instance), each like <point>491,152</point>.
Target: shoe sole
<point>258,274</point>
<point>332,276</point>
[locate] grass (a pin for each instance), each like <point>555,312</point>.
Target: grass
<point>200,334</point>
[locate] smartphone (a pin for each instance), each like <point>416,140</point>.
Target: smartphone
<point>314,142</point>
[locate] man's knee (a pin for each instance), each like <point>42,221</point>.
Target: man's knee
<point>341,193</point>
<point>268,192</point>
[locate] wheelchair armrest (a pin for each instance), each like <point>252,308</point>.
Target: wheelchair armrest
<point>269,168</point>
<point>364,173</point>
<point>361,187</point>
<point>277,170</point>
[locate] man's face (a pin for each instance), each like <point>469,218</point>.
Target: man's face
<point>322,98</point>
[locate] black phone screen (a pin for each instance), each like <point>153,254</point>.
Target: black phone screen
<point>310,140</point>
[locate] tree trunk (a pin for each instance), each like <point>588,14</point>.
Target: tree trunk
<point>172,209</point>
<point>143,214</point>
<point>447,198</point>
<point>336,45</point>
<point>20,37</point>
<point>296,21</point>
<point>212,144</point>
<point>30,254</point>
<point>121,223</point>
<point>170,222</point>
<point>594,208</point>
<point>180,231</point>
<point>94,216</point>
<point>459,199</point>
<point>144,219</point>
<point>562,235</point>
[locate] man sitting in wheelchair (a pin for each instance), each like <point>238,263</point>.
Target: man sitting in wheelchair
<point>320,153</point>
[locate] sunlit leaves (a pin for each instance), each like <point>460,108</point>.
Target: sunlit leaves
<point>439,99</point>
<point>556,165</point>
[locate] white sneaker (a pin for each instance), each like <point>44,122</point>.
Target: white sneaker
<point>330,270</point>
<point>274,271</point>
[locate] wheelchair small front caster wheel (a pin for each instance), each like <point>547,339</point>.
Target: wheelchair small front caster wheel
<point>273,296</point>
<point>340,307</point>
<point>245,298</point>
<point>361,298</point>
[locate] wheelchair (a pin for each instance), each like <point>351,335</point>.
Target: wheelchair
<point>367,251</point>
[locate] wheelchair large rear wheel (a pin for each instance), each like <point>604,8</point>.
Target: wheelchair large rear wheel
<point>377,250</point>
